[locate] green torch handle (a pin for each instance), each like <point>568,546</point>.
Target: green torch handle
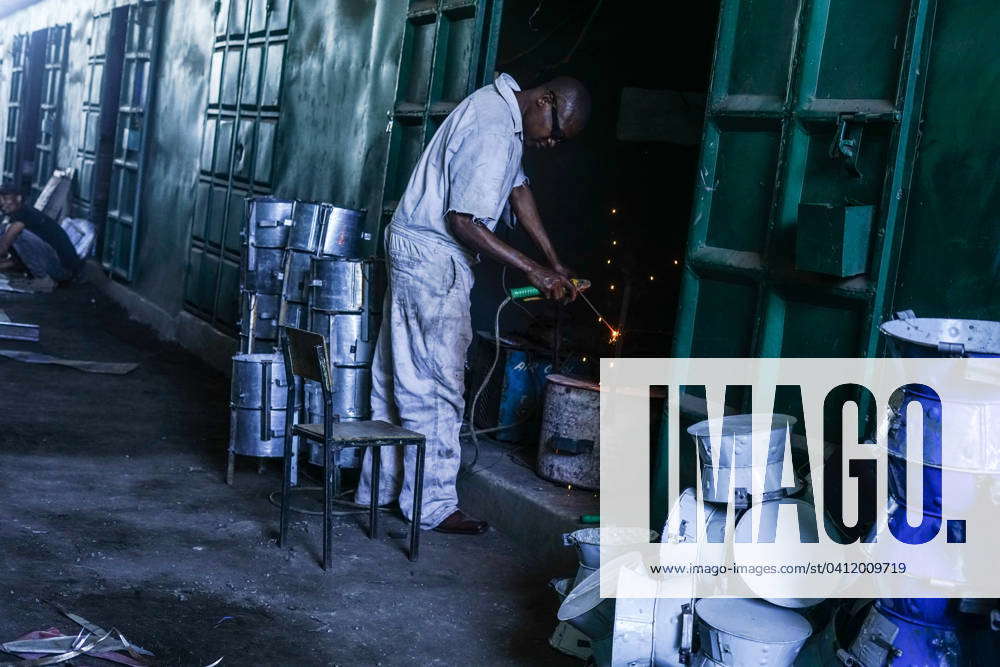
<point>530,292</point>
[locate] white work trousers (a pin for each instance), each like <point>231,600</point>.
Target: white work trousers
<point>418,372</point>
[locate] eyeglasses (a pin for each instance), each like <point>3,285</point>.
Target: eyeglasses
<point>556,134</point>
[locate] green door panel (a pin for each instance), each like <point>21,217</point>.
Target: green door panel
<point>244,106</point>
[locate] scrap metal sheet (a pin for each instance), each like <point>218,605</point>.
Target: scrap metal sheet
<point>107,367</point>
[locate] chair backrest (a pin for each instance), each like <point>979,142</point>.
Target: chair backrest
<point>306,355</point>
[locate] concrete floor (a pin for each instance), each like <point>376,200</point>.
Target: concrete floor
<point>112,504</point>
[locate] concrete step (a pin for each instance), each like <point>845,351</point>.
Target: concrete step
<point>504,490</point>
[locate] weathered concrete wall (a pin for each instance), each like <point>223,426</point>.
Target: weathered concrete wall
<point>36,17</point>
<point>340,77</point>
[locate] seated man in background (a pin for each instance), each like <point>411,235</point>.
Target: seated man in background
<point>35,241</point>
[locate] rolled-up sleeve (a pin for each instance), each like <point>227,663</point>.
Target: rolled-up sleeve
<point>478,182</point>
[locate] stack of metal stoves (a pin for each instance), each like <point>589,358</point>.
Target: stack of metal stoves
<point>304,265</point>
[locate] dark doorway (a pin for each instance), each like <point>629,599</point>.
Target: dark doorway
<point>23,168</point>
<point>617,200</point>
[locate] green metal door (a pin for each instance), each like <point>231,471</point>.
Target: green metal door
<point>138,86</point>
<point>806,156</point>
<point>86,153</point>
<point>237,154</point>
<point>50,105</point>
<point>449,49</point>
<point>11,147</point>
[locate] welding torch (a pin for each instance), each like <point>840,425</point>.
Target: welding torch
<point>530,293</point>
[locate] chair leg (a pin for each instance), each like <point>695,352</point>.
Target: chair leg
<point>230,467</point>
<point>376,468</point>
<point>286,491</point>
<point>329,483</point>
<point>418,501</point>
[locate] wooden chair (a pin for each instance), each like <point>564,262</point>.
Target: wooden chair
<point>306,357</point>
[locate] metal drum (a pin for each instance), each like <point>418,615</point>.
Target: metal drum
<point>911,336</point>
<point>778,589</point>
<point>260,316</point>
<point>253,374</point>
<point>740,631</point>
<point>340,285</point>
<point>263,270</point>
<point>343,234</point>
<point>256,432</point>
<point>735,465</point>
<point>890,638</point>
<point>649,631</point>
<point>682,526</point>
<point>588,544</point>
<point>307,225</point>
<point>352,387</point>
<point>269,221</point>
<point>293,315</point>
<point>350,337</point>
<point>569,447</point>
<point>296,269</point>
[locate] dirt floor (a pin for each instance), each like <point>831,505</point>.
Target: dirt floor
<point>112,504</point>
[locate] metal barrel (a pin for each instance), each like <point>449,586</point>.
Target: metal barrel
<point>257,374</point>
<point>351,395</point>
<point>263,270</point>
<point>340,285</point>
<point>308,219</point>
<point>888,634</point>
<point>741,631</point>
<point>343,234</point>
<point>269,221</point>
<point>735,458</point>
<point>350,337</point>
<point>569,445</point>
<point>259,318</point>
<point>296,270</point>
<point>293,315</point>
<point>257,432</point>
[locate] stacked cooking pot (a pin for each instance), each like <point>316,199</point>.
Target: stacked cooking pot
<point>304,265</point>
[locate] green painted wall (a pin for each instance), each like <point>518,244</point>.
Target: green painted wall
<point>340,78</point>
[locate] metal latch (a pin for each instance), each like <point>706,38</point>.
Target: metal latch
<point>687,633</point>
<point>951,349</point>
<point>846,144</point>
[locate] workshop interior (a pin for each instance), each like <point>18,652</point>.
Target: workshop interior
<point>304,304</point>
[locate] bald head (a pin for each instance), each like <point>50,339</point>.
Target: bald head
<point>554,111</point>
<point>572,104</point>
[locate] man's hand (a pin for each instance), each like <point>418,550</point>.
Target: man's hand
<point>568,274</point>
<point>552,284</point>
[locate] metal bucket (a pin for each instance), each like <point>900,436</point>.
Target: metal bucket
<point>569,443</point>
<point>682,526</point>
<point>263,270</point>
<point>887,637</point>
<point>269,221</point>
<point>352,388</point>
<point>911,336</point>
<point>648,631</point>
<point>777,589</point>
<point>253,374</point>
<point>307,224</point>
<point>344,234</point>
<point>586,611</point>
<point>921,564</point>
<point>254,432</point>
<point>340,285</point>
<point>293,315</point>
<point>740,631</point>
<point>565,638</point>
<point>350,337</point>
<point>260,315</point>
<point>296,269</point>
<point>588,545</point>
<point>734,458</point>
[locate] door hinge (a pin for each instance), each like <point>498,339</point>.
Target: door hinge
<point>846,143</point>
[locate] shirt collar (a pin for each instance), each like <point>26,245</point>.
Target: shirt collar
<point>506,85</point>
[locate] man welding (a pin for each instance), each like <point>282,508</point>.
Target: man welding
<point>461,186</point>
<point>34,241</point>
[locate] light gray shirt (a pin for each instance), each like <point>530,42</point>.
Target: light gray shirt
<point>470,166</point>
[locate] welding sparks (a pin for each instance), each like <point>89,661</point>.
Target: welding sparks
<point>615,335</point>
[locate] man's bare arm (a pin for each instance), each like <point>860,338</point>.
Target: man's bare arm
<point>480,239</point>
<point>9,236</point>
<point>522,201</point>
